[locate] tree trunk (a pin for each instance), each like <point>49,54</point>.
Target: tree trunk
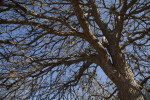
<point>118,70</point>
<point>123,77</point>
<point>129,90</point>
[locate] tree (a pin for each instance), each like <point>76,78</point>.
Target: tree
<point>51,48</point>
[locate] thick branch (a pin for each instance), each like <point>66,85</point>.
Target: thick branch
<point>102,25</point>
<point>81,18</point>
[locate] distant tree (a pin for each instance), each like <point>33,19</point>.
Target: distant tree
<point>57,48</point>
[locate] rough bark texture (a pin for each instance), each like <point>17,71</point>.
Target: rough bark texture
<point>128,88</point>
<point>130,91</point>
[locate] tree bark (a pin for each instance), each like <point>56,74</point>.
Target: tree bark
<point>123,78</point>
<point>128,88</point>
<point>129,91</point>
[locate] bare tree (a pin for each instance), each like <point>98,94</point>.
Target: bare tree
<point>53,48</point>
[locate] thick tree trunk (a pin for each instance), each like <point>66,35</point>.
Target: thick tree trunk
<point>123,77</point>
<point>127,91</point>
<point>128,88</point>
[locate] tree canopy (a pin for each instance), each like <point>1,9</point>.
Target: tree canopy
<point>59,49</point>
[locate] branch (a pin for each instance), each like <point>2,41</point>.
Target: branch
<point>130,40</point>
<point>81,17</point>
<point>119,25</point>
<point>102,25</point>
<point>5,42</point>
<point>80,73</point>
<point>45,67</point>
<point>28,12</point>
<point>75,81</point>
<point>111,94</point>
<point>144,81</point>
<point>90,37</point>
<point>144,8</point>
<point>43,26</point>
